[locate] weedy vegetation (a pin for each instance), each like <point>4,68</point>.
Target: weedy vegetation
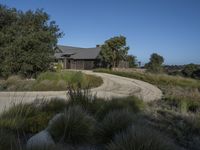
<point>50,81</point>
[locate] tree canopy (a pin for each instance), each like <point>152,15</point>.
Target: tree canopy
<point>27,41</point>
<point>113,51</point>
<point>192,71</point>
<point>132,60</point>
<point>155,63</point>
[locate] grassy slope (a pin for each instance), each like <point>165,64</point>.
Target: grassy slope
<point>87,120</point>
<point>157,79</point>
<point>178,113</point>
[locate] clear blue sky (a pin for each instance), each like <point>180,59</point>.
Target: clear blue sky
<point>168,27</point>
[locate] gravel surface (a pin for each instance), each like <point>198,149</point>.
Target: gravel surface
<point>113,86</point>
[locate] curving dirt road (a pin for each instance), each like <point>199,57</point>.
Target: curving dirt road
<point>113,86</point>
<point>116,86</point>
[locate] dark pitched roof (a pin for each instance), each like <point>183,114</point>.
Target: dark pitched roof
<point>77,52</point>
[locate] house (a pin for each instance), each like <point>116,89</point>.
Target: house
<point>77,58</point>
<point>81,58</point>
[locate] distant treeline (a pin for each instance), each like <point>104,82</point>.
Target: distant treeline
<point>189,70</point>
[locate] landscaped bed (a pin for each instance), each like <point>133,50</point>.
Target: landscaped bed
<point>50,81</point>
<point>178,112</point>
<point>83,122</point>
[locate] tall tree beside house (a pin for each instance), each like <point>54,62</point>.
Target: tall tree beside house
<point>113,51</point>
<point>132,61</point>
<point>155,63</point>
<point>27,41</point>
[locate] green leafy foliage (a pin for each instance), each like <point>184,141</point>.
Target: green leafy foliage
<point>132,60</point>
<point>155,64</point>
<point>192,71</point>
<point>112,51</point>
<point>27,41</point>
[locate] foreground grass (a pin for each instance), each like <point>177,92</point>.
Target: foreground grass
<point>181,93</point>
<point>178,113</point>
<point>84,122</point>
<point>50,81</point>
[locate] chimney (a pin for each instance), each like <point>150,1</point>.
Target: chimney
<point>98,45</point>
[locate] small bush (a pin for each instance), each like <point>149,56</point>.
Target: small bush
<point>73,126</point>
<point>140,138</point>
<point>131,103</point>
<point>113,123</point>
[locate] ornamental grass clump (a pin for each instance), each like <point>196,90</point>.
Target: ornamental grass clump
<point>141,138</point>
<point>73,126</point>
<point>113,123</point>
<point>131,103</point>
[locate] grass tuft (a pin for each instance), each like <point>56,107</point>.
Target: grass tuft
<point>113,123</point>
<point>140,138</point>
<point>72,126</point>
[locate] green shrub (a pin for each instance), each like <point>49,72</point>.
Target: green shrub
<point>131,103</point>
<point>140,138</point>
<point>113,123</point>
<point>73,126</point>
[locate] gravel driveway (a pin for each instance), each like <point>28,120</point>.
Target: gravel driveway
<point>113,86</point>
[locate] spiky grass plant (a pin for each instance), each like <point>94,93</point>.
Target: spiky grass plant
<point>31,117</point>
<point>72,126</point>
<point>140,138</point>
<point>84,98</point>
<point>130,103</point>
<point>113,123</point>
